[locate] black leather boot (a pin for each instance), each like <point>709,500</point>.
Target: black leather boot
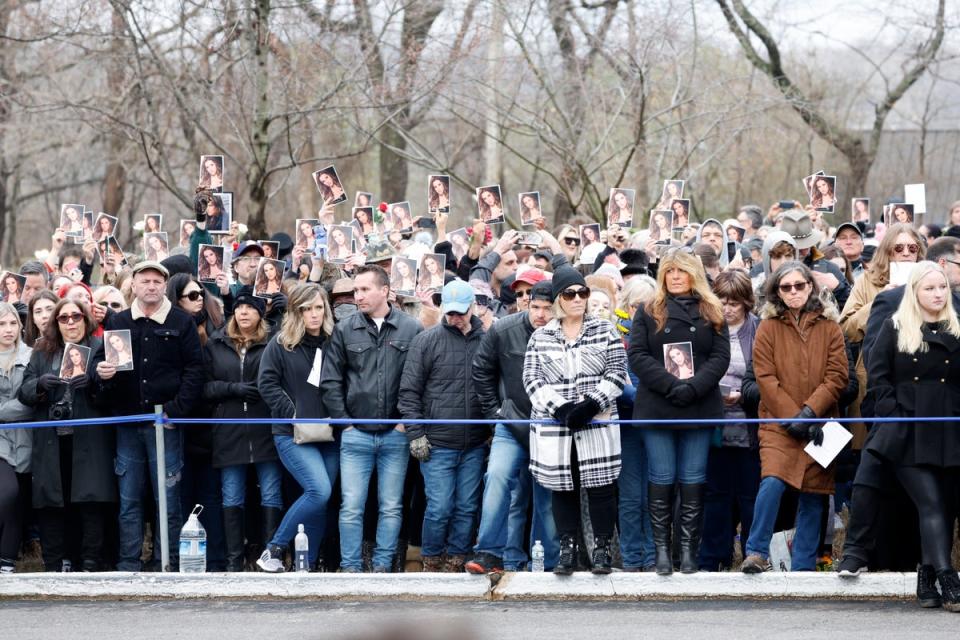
<point>272,517</point>
<point>927,592</point>
<point>602,560</point>
<point>660,505</point>
<point>950,588</point>
<point>691,526</point>
<point>567,561</point>
<point>233,535</point>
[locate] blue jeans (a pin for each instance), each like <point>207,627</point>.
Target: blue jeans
<point>803,557</point>
<point>360,453</point>
<point>314,465</point>
<point>636,535</point>
<point>677,455</point>
<point>506,496</point>
<point>451,482</point>
<point>270,475</point>
<point>733,479</point>
<point>136,462</point>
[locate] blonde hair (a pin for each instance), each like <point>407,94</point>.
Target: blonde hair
<point>908,320</point>
<point>879,272</point>
<point>710,307</point>
<point>637,290</point>
<point>8,309</point>
<point>604,285</point>
<point>292,328</point>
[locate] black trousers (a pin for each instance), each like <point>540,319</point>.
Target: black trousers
<point>931,490</point>
<point>9,513</point>
<point>601,503</point>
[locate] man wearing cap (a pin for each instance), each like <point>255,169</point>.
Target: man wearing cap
<point>523,284</point>
<point>798,224</point>
<point>437,384</point>
<point>849,239</point>
<point>167,371</point>
<point>498,383</point>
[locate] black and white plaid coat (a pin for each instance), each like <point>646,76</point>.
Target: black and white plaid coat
<point>556,372</point>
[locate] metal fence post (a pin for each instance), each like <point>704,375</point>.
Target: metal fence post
<point>163,523</point>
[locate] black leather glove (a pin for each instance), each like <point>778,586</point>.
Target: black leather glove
<point>278,303</point>
<point>48,382</point>
<point>79,382</point>
<point>681,394</point>
<point>582,414</point>
<point>251,393</point>
<point>801,430</point>
<point>815,434</point>
<point>562,413</point>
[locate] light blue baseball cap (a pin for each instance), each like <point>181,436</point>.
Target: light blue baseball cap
<point>456,297</point>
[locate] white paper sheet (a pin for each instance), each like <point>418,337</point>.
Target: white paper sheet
<point>314,377</point>
<point>916,194</point>
<point>835,438</point>
<point>900,272</point>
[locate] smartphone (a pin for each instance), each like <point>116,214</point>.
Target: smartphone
<point>529,239</point>
<point>731,250</point>
<point>786,204</point>
<point>426,223</point>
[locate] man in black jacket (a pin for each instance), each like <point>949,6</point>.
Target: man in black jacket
<point>497,378</point>
<point>360,378</point>
<point>437,384</point>
<point>168,371</point>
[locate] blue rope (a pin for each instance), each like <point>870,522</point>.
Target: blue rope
<point>80,422</point>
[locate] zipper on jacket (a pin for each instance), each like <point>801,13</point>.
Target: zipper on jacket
<point>243,357</point>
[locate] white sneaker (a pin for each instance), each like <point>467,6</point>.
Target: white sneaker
<point>6,569</point>
<point>268,563</point>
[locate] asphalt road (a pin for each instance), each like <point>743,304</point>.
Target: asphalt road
<point>304,620</point>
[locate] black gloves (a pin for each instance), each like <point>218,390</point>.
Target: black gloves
<point>248,391</point>
<point>681,394</point>
<point>582,414</point>
<point>278,304</point>
<point>79,382</point>
<point>805,431</point>
<point>48,382</point>
<point>562,413</point>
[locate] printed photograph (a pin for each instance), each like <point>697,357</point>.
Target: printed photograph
<point>530,210</point>
<point>861,209</point>
<point>304,236</point>
<point>399,216</point>
<point>220,213</point>
<point>75,358</point>
<point>209,263</point>
<point>678,359</point>
<point>363,221</point>
<point>271,249</point>
<point>661,225</point>
<point>329,185</point>
<point>589,233</point>
<point>438,194</point>
<point>152,223</point>
<point>363,199</point>
<point>681,212</point>
<point>901,213</point>
<point>823,198</point>
<point>118,348</point>
<point>620,208</point>
<point>12,287</point>
<point>156,247</point>
<point>339,243</point>
<point>808,182</point>
<point>432,266</point>
<point>459,241</point>
<point>490,204</point>
<point>403,276</point>
<point>211,172</point>
<point>187,227</point>
<point>71,219</point>
<point>269,278</point>
<point>672,190</point>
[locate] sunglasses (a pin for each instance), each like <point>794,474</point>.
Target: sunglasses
<point>70,318</point>
<point>573,241</point>
<point>193,296</point>
<point>523,293</point>
<point>115,305</point>
<point>912,248</point>
<point>799,287</point>
<point>570,294</point>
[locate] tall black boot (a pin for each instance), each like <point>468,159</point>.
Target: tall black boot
<point>660,505</point>
<point>691,526</point>
<point>271,522</point>
<point>234,538</point>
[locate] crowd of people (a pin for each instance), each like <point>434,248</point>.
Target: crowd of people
<point>553,344</point>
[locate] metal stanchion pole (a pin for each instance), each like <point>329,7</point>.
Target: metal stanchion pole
<point>163,523</point>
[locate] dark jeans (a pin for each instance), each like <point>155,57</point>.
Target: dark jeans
<point>733,480</point>
<point>201,485</point>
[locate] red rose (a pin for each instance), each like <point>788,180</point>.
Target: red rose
<point>383,207</point>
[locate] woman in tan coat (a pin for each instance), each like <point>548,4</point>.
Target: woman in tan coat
<point>801,368</point>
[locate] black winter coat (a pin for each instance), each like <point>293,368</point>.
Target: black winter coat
<point>437,383</point>
<point>711,358</point>
<point>498,374</point>
<point>236,443</point>
<point>94,447</point>
<point>362,367</point>
<point>283,382</point>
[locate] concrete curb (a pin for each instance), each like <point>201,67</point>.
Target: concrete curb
<point>417,586</point>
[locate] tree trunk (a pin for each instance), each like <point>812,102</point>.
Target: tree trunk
<point>257,171</point>
<point>115,177</point>
<point>394,172</point>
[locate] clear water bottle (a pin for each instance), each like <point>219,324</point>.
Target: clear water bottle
<point>193,544</point>
<point>536,558</point>
<point>301,545</point>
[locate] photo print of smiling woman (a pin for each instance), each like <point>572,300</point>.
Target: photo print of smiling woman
<point>438,194</point>
<point>490,204</point>
<point>211,173</point>
<point>329,185</point>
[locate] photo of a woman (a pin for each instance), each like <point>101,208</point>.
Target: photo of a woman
<point>187,227</point>
<point>620,209</point>
<point>661,222</point>
<point>735,233</point>
<point>438,194</point>
<point>306,239</point>
<point>269,278</point>
<point>152,223</point>
<point>219,213</point>
<point>403,276</point>
<point>271,249</point>
<point>211,172</point>
<point>902,214</point>
<point>400,216</point>
<point>74,363</point>
<point>490,204</point>
<point>340,244</point>
<point>678,359</point>
<point>589,233</point>
<point>87,224</point>
<point>71,219</point>
<point>431,272</point>
<point>209,263</point>
<point>118,349</point>
<point>12,287</point>
<point>823,193</point>
<point>363,199</point>
<point>156,247</point>
<point>103,226</point>
<point>672,190</point>
<point>460,242</point>
<point>861,209</point>
<point>363,220</point>
<point>681,212</point>
<point>530,207</point>
<point>329,185</point>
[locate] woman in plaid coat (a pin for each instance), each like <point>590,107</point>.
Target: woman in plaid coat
<point>574,371</point>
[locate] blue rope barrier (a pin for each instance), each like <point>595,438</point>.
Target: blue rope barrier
<point>80,422</point>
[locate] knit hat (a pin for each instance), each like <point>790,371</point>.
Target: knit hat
<point>245,296</point>
<point>565,277</point>
<point>543,290</point>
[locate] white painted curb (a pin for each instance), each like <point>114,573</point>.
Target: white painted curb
<point>511,586</point>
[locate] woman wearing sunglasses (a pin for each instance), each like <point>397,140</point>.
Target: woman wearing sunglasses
<point>73,474</point>
<point>574,370</point>
<point>801,369</point>
<point>685,312</point>
<point>569,239</point>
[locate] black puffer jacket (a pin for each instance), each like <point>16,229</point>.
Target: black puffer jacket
<point>437,383</point>
<point>226,371</point>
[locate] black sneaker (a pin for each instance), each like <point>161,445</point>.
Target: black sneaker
<point>950,587</point>
<point>927,592</point>
<point>483,563</point>
<point>851,567</point>
<point>567,561</point>
<point>601,560</point>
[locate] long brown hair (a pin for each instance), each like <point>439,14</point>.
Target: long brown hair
<point>51,341</point>
<point>32,331</point>
<point>710,306</point>
<point>879,272</point>
<point>240,341</point>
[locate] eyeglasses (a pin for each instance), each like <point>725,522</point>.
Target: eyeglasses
<point>570,294</point>
<point>799,287</point>
<point>70,318</point>
<point>912,248</point>
<point>193,296</point>
<point>523,293</point>
<point>573,241</point>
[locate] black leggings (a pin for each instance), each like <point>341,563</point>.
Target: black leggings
<point>601,502</point>
<point>9,513</point>
<point>926,486</point>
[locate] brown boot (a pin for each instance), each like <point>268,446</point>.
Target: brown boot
<point>433,564</point>
<point>454,564</point>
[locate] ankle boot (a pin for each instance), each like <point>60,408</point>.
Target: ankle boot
<point>927,593</point>
<point>234,538</point>
<point>602,560</point>
<point>660,505</point>
<point>567,561</point>
<point>950,588</point>
<point>691,526</point>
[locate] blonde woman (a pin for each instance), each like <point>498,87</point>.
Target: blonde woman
<point>289,375</point>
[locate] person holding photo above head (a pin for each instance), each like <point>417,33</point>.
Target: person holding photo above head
<point>12,289</point>
<point>491,207</point>
<point>338,244</point>
<point>404,275</point>
<point>431,272</point>
<point>681,213</point>
<point>660,228</point>
<point>574,370</point>
<point>684,309</point>
<point>439,200</point>
<point>211,172</point>
<point>823,197</point>
<point>672,190</point>
<point>800,364</point>
<point>73,469</point>
<point>329,185</point>
<point>530,208</point>
<point>902,214</point>
<point>72,220</point>
<point>620,210</point>
<point>103,227</point>
<point>270,279</point>
<point>211,264</point>
<point>914,368</point>
<point>156,248</point>
<point>363,220</point>
<point>118,351</point>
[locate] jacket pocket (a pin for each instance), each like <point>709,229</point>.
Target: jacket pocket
<point>357,354</point>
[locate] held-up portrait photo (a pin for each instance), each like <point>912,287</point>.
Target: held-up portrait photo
<point>438,194</point>
<point>71,219</point>
<point>152,223</point>
<point>271,249</point>
<point>104,226</point>
<point>363,221</point>
<point>209,263</point>
<point>269,278</point>
<point>187,227</point>
<point>432,266</point>
<point>363,199</point>
<point>118,348</point>
<point>861,210</point>
<point>672,190</point>
<point>620,207</point>
<point>11,287</point>
<point>681,212</point>
<point>589,233</point>
<point>678,359</point>
<point>824,198</point>
<point>459,241</point>
<point>75,358</point>
<point>399,216</point>
<point>156,247</point>
<point>530,210</point>
<point>305,238</point>
<point>403,276</point>
<point>339,243</point>
<point>211,173</point>
<point>220,212</point>
<point>490,204</point>
<point>329,185</point>
<point>661,224</point>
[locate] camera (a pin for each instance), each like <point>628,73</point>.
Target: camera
<point>63,408</point>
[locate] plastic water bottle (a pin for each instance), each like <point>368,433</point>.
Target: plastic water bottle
<point>301,545</point>
<point>193,544</point>
<point>537,558</point>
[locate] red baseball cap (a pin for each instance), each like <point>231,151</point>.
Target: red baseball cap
<point>529,276</point>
